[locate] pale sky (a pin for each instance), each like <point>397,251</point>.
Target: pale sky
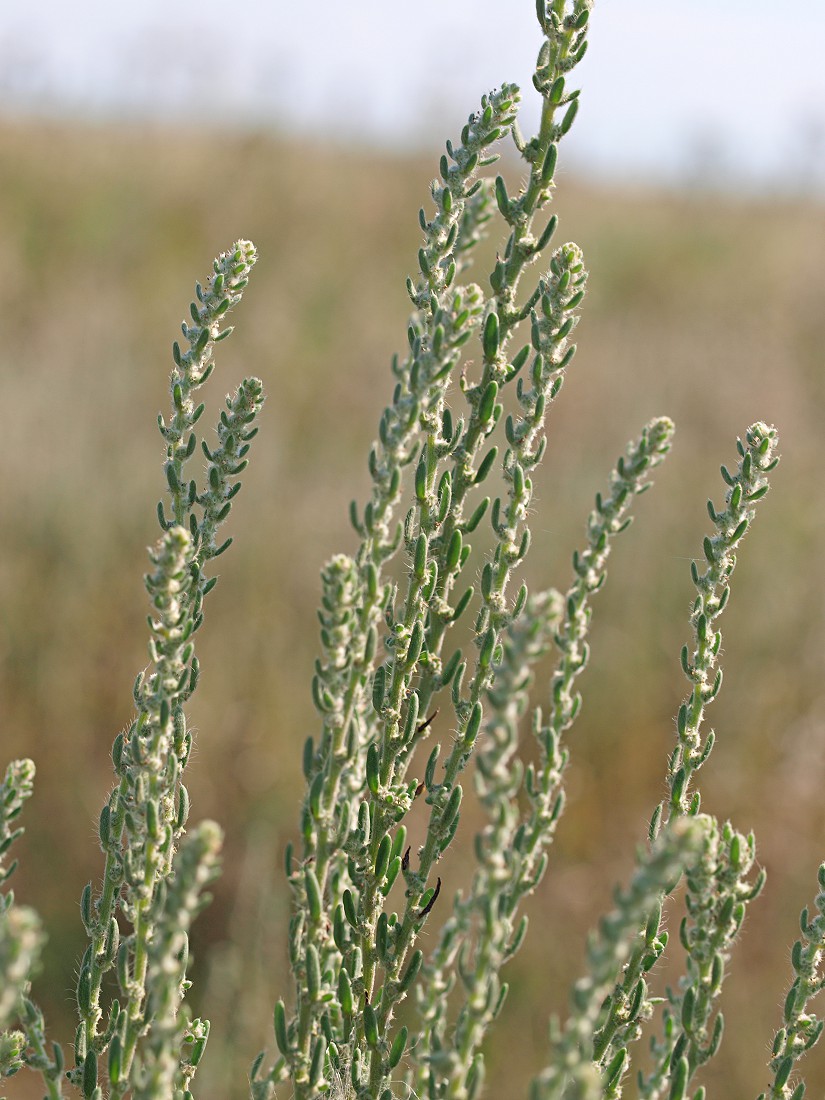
<point>683,90</point>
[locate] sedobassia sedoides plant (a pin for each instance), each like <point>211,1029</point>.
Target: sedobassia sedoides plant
<point>419,622</point>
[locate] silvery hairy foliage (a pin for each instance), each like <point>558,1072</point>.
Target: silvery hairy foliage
<point>144,1042</point>
<point>429,642</point>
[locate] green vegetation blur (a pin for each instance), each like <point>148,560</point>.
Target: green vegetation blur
<point>700,306</point>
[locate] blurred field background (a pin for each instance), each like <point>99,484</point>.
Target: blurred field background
<point>703,306</point>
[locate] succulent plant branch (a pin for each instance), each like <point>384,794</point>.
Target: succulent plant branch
<point>145,816</point>
<point>718,890</point>
<point>718,913</point>
<point>435,538</point>
<point>21,943</point>
<point>484,931</point>
<point>801,1028</point>
<point>574,1070</point>
<point>143,1043</point>
<point>746,487</point>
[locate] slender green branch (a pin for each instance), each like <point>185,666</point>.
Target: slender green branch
<point>801,1027</point>
<point>444,320</point>
<point>145,815</point>
<point>561,295</point>
<point>175,1045</point>
<point>512,848</point>
<point>572,1072</point>
<point>719,888</point>
<point>21,944</point>
<point>746,487</point>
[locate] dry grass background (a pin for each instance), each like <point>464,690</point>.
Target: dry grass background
<point>703,307</point>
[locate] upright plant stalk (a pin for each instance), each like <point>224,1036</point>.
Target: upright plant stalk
<point>485,931</point>
<point>573,1072</point>
<point>139,918</point>
<point>435,336</point>
<point>351,857</point>
<point>564,46</point>
<point>21,943</point>
<point>434,1060</point>
<point>719,887</point>
<point>746,487</point>
<point>140,826</point>
<point>801,1025</point>
<point>589,1054</point>
<point>512,542</point>
<point>21,938</point>
<point>429,364</point>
